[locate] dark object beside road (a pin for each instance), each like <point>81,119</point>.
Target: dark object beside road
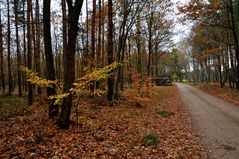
<point>163,81</point>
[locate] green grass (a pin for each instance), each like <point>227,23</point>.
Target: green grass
<point>150,139</point>
<point>165,113</point>
<point>11,104</point>
<point>158,92</point>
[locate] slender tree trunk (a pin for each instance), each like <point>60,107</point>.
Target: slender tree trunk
<point>38,45</point>
<point>93,41</point>
<point>99,41</point>
<point>64,31</point>
<point>10,81</point>
<point>139,45</point>
<point>33,38</point>
<point>50,69</point>
<point>1,54</point>
<point>103,33</point>
<point>150,44</point>
<point>18,51</point>
<point>87,26</point>
<point>110,50</point>
<point>24,48</point>
<point>29,49</point>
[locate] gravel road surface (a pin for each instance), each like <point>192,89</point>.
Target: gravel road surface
<point>216,122</point>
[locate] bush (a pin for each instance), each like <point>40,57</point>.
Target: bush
<point>150,139</point>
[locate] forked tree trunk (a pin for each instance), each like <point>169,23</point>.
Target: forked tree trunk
<point>69,74</point>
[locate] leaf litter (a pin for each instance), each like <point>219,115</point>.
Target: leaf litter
<point>105,132</point>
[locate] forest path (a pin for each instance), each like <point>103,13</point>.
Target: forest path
<point>216,122</point>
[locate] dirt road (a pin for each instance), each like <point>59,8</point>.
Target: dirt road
<point>216,122</point>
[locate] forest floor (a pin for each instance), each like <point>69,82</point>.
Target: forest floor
<point>225,93</point>
<point>155,127</point>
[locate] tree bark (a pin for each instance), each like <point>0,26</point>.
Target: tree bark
<point>29,49</point>
<point>18,51</point>
<point>38,45</point>
<point>110,50</point>
<point>1,55</point>
<point>64,32</point>
<point>69,74</point>
<point>99,41</point>
<point>10,84</point>
<point>24,49</point>
<point>93,41</point>
<point>50,69</point>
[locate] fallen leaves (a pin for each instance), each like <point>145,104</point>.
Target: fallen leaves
<point>105,132</point>
<point>226,93</point>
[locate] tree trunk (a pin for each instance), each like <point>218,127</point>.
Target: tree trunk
<point>18,51</point>
<point>33,37</point>
<point>10,84</point>
<point>93,41</point>
<point>29,49</point>
<point>38,45</point>
<point>24,49</point>
<point>110,50</point>
<point>99,42</point>
<point>50,70</point>
<point>64,32</point>
<point>138,26</point>
<point>1,55</point>
<point>69,74</point>
<point>150,44</point>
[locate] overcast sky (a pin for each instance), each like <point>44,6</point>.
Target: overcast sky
<point>180,30</point>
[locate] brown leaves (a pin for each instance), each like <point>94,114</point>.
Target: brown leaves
<point>114,132</point>
<point>226,93</point>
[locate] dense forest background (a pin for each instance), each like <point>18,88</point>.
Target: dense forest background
<point>60,40</point>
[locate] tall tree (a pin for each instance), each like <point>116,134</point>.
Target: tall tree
<point>50,70</point>
<point>24,45</point>
<point>1,53</point>
<point>99,39</point>
<point>110,49</point>
<point>18,50</point>
<point>74,10</point>
<point>93,40</point>
<point>64,31</point>
<point>10,84</point>
<point>38,41</point>
<point>29,49</point>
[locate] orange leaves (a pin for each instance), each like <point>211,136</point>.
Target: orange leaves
<point>196,9</point>
<point>105,132</point>
<point>209,53</point>
<point>226,93</point>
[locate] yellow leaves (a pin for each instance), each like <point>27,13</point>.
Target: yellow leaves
<point>58,97</point>
<point>80,87</point>
<point>85,121</point>
<point>33,78</point>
